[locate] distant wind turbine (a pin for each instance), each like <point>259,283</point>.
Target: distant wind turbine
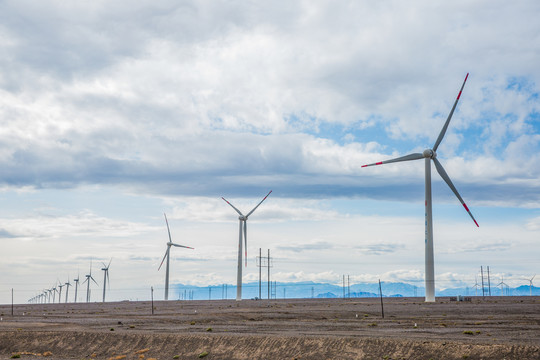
<point>428,155</point>
<point>76,286</point>
<point>243,230</point>
<point>87,281</point>
<point>167,256</point>
<point>60,285</point>
<point>531,284</point>
<point>476,286</point>
<point>67,289</point>
<point>502,284</point>
<point>105,277</point>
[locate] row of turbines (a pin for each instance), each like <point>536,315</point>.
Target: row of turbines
<point>429,155</point>
<point>48,296</point>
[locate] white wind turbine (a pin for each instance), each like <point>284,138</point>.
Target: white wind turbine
<point>502,284</point>
<point>88,278</point>
<point>105,277</point>
<point>428,155</point>
<point>76,286</point>
<point>531,284</point>
<point>242,230</point>
<point>68,284</point>
<point>60,285</point>
<point>167,255</point>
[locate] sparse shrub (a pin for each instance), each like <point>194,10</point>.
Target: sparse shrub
<point>468,332</point>
<point>176,357</point>
<point>192,323</point>
<point>132,326</point>
<point>112,329</point>
<point>478,332</point>
<point>209,329</point>
<point>16,356</point>
<point>47,353</point>
<point>203,354</point>
<point>372,324</point>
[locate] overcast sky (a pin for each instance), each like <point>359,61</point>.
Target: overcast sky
<point>115,113</point>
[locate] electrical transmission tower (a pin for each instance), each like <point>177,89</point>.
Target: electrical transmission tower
<point>264,261</point>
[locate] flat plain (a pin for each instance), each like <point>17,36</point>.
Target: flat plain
<point>483,328</point>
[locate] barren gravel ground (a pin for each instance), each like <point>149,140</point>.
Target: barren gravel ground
<point>490,328</point>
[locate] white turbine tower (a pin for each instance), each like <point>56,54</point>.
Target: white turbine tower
<point>531,284</point>
<point>431,155</point>
<point>88,278</point>
<point>105,277</point>
<point>167,256</point>
<point>60,285</point>
<point>243,230</point>
<point>76,287</point>
<point>68,284</point>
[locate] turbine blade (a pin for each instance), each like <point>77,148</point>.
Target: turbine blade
<point>415,156</point>
<point>166,253</point>
<point>168,230</point>
<point>110,261</point>
<point>238,211</point>
<point>182,246</point>
<point>443,131</point>
<point>94,281</point>
<point>446,178</point>
<point>251,212</point>
<point>245,241</point>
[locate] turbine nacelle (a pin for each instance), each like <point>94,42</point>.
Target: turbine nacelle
<point>429,153</point>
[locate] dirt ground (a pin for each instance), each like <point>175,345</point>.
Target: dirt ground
<point>489,328</point>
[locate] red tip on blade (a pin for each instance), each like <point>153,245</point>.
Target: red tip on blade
<point>379,163</point>
<point>466,208</point>
<point>476,223</point>
<point>459,95</point>
<point>364,165</point>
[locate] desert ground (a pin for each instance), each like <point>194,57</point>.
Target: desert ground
<point>483,328</point>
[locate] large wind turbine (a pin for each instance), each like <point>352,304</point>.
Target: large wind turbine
<point>428,155</point>
<point>243,230</point>
<point>167,255</point>
<point>105,277</point>
<point>88,278</point>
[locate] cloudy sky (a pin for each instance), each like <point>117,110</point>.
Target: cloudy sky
<point>115,113</point>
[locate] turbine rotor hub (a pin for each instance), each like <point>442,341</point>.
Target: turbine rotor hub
<point>242,218</point>
<point>429,153</point>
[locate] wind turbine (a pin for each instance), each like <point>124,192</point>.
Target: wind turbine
<point>531,284</point>
<point>54,294</point>
<point>105,277</point>
<point>88,278</point>
<point>60,285</point>
<point>428,155</point>
<point>502,284</point>
<point>476,286</point>
<point>167,255</point>
<point>76,286</point>
<point>242,230</point>
<point>67,289</point>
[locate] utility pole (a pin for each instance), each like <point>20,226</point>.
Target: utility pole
<point>489,283</point>
<point>348,286</point>
<point>152,291</point>
<point>260,273</point>
<point>343,286</point>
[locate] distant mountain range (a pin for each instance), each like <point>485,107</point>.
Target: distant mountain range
<point>321,290</point>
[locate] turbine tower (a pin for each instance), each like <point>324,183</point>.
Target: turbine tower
<point>105,277</point>
<point>76,286</point>
<point>167,255</point>
<point>88,278</point>
<point>60,285</point>
<point>531,284</point>
<point>242,230</point>
<point>67,289</point>
<point>431,155</point>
